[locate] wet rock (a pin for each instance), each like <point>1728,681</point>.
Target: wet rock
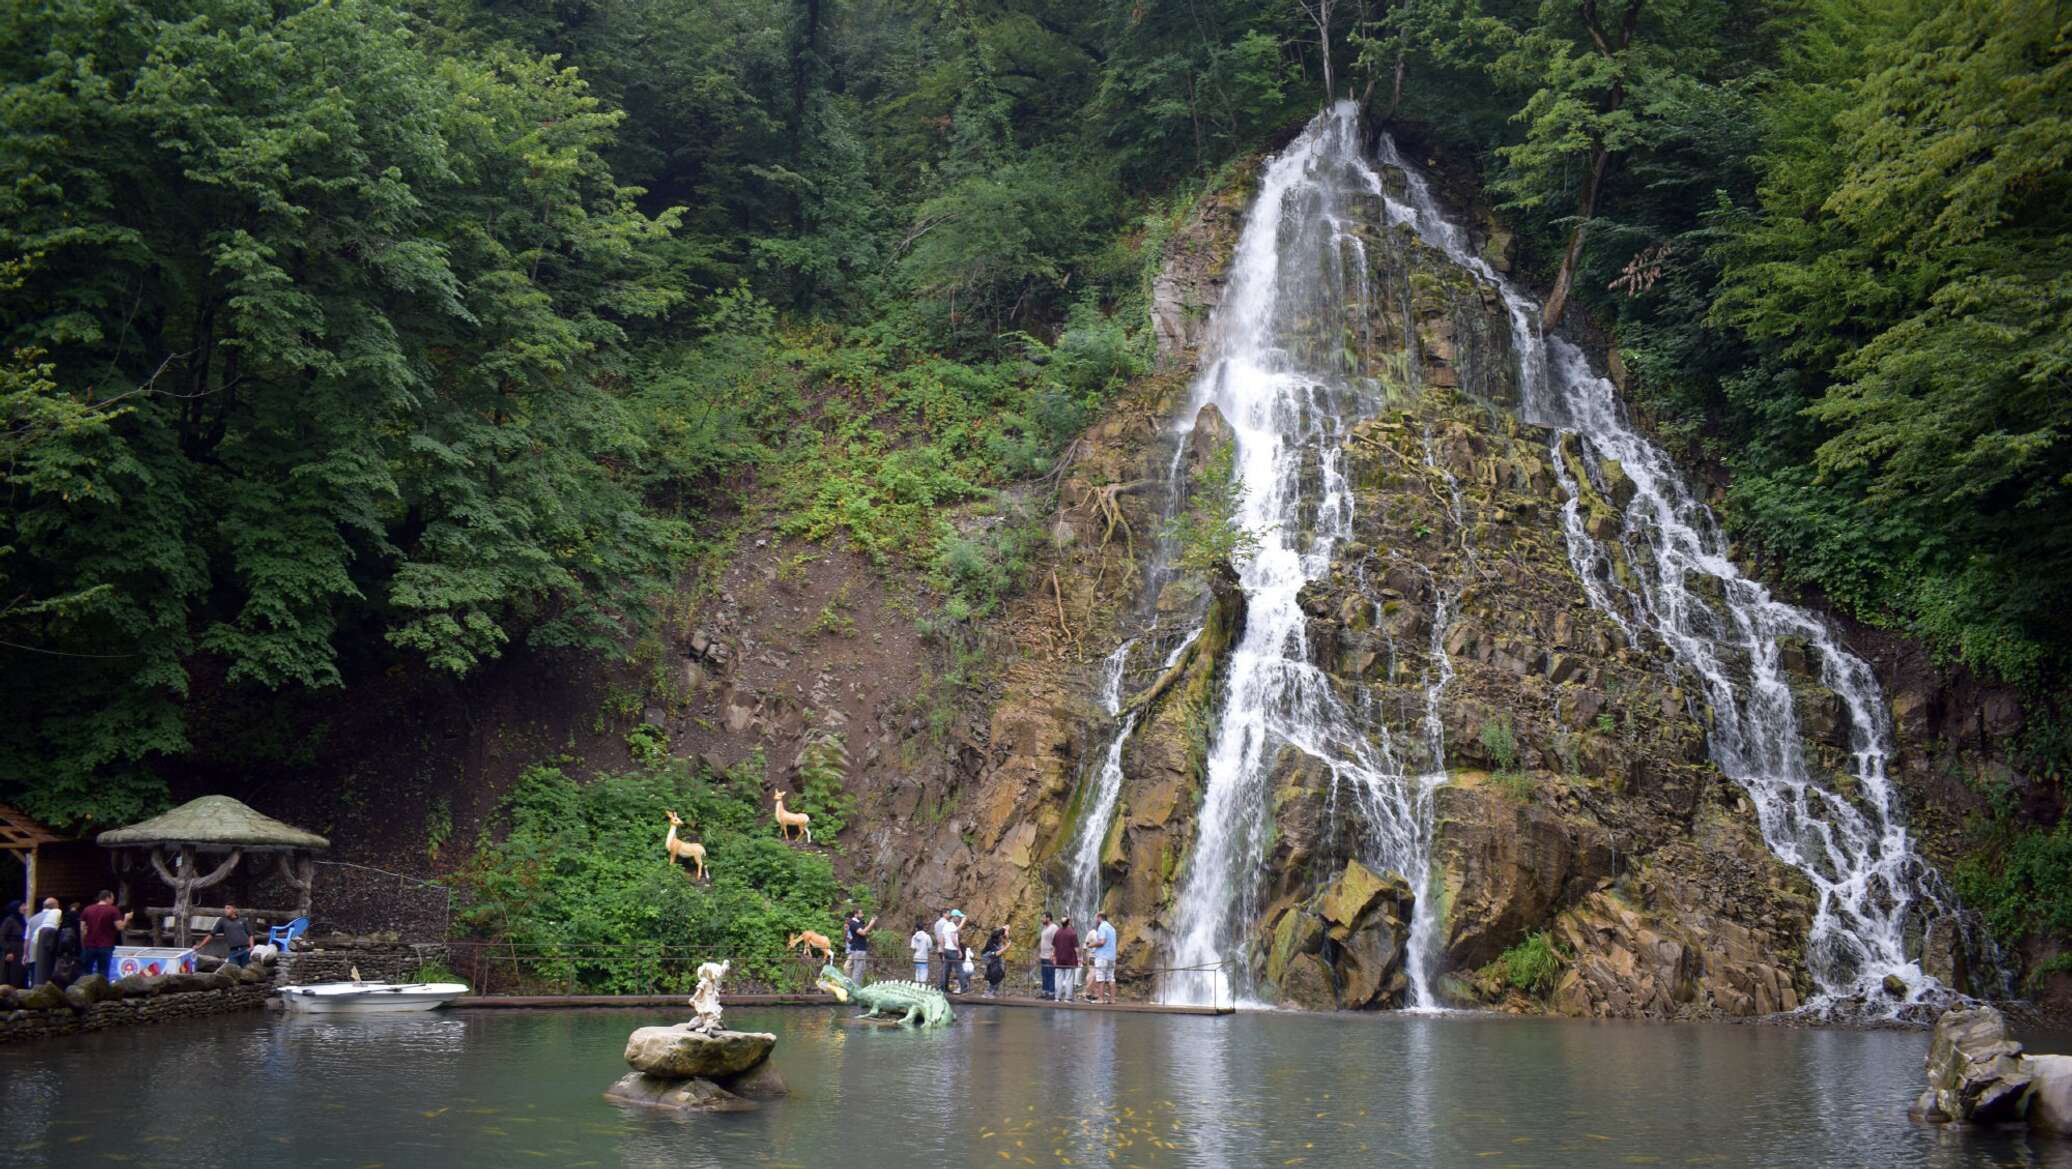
<point>2048,1107</point>
<point>1351,934</point>
<point>1618,486</point>
<point>1944,955</point>
<point>1895,986</point>
<point>669,1095</point>
<point>1975,1072</point>
<point>1211,432</point>
<point>679,1053</point>
<point>1506,867</point>
<point>1307,984</point>
<point>761,1082</point>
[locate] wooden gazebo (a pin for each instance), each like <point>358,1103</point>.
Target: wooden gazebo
<point>216,825</point>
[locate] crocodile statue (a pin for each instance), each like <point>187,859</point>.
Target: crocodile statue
<point>915,1003</point>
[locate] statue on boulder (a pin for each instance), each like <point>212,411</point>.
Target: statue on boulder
<point>705,1006</point>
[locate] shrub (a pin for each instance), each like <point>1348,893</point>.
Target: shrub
<point>1531,966</point>
<point>580,885</point>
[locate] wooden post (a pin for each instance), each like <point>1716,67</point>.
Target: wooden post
<point>183,896</point>
<point>185,883</point>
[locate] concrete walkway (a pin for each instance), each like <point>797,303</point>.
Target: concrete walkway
<point>483,1002</point>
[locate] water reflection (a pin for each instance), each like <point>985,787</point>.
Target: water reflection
<point>1003,1087</point>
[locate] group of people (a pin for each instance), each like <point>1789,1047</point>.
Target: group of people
<point>942,950</point>
<point>59,944</point>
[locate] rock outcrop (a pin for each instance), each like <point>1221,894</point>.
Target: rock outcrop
<point>1978,1074</point>
<point>1344,946</point>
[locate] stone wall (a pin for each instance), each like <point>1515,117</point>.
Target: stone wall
<point>377,960</point>
<point>142,1000</point>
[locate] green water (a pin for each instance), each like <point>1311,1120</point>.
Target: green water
<point>1002,1087</point>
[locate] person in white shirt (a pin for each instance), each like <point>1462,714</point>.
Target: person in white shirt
<point>920,944</point>
<point>1047,956</point>
<point>40,941</point>
<point>1102,942</point>
<point>945,929</point>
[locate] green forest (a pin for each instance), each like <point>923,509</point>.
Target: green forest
<point>357,337</point>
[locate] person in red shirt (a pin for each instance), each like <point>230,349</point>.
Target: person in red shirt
<point>1065,945</point>
<point>100,928</point>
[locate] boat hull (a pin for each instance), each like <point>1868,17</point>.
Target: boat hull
<point>370,998</point>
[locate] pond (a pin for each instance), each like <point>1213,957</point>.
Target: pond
<point>1003,1086</point>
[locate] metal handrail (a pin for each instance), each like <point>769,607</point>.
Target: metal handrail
<point>486,957</point>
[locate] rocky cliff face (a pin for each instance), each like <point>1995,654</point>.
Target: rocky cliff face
<point>1579,800</point>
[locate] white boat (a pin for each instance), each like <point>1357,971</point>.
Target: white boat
<point>371,996</point>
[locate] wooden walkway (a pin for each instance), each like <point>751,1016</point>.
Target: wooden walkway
<point>486,1002</point>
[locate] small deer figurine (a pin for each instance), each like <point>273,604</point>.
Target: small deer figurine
<point>681,849</point>
<point>813,941</point>
<point>786,821</point>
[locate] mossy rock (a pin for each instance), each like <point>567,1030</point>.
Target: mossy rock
<point>48,997</point>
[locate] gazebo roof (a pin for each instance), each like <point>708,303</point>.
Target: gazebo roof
<point>18,831</point>
<point>212,820</point>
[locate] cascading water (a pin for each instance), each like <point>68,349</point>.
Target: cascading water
<point>1281,375</point>
<point>1731,635</point>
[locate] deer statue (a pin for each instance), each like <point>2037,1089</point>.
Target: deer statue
<point>681,849</point>
<point>786,821</point>
<point>813,941</point>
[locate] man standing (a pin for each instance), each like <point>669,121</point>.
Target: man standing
<point>945,936</point>
<point>1047,957</point>
<point>1065,959</point>
<point>100,928</point>
<point>1103,942</point>
<point>859,934</point>
<point>958,953</point>
<point>920,945</point>
<point>40,942</point>
<point>236,934</point>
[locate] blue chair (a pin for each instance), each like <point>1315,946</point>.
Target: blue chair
<point>281,935</point>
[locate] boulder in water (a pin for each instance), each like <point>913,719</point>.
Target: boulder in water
<point>2049,1103</point>
<point>1975,1070</point>
<point>672,1095</point>
<point>679,1053</point>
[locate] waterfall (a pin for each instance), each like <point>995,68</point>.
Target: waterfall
<point>1279,372</point>
<point>1729,633</point>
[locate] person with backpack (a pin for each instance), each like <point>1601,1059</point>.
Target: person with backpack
<point>995,955</point>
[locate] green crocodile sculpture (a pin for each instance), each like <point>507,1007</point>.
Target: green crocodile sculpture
<point>916,1004</point>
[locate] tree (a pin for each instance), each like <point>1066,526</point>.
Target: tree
<point>1910,267</point>
<point>362,309</point>
<point>1598,80</point>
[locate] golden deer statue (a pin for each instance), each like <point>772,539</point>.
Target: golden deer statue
<point>682,849</point>
<point>813,941</point>
<point>786,821</point>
